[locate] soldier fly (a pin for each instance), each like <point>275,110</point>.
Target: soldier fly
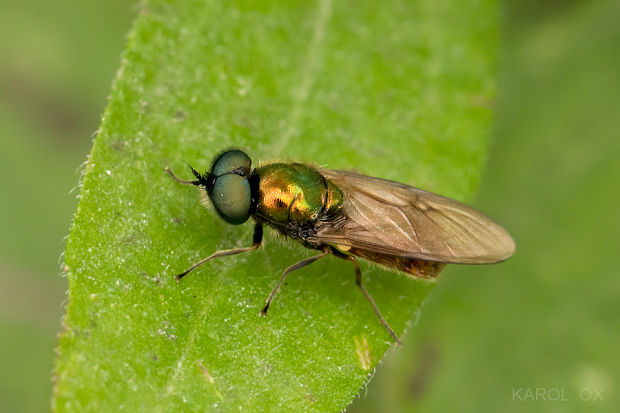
<point>349,215</point>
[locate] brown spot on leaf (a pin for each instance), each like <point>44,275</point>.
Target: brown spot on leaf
<point>363,352</point>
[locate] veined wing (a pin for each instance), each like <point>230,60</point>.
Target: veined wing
<point>395,219</point>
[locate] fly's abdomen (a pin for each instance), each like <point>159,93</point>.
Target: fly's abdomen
<point>294,193</point>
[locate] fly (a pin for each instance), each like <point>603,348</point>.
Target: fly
<point>349,216</point>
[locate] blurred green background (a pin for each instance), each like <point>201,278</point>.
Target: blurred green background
<point>57,62</point>
<point>548,319</point>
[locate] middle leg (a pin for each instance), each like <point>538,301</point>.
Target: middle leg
<point>290,269</point>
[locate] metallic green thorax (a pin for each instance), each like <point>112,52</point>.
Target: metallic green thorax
<point>294,193</point>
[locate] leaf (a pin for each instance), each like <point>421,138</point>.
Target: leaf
<point>393,91</point>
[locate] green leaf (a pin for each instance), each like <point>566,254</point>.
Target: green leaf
<point>400,91</point>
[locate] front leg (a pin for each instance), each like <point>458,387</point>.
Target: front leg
<point>257,238</point>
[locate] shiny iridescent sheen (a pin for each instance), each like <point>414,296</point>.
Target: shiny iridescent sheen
<point>294,193</point>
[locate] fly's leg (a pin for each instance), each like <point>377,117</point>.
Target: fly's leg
<point>257,238</point>
<point>358,281</point>
<point>290,269</point>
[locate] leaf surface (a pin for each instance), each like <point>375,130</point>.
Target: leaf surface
<point>400,91</point>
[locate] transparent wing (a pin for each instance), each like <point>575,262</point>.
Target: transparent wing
<point>390,218</point>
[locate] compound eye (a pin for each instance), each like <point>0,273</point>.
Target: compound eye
<point>230,161</point>
<point>232,198</point>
